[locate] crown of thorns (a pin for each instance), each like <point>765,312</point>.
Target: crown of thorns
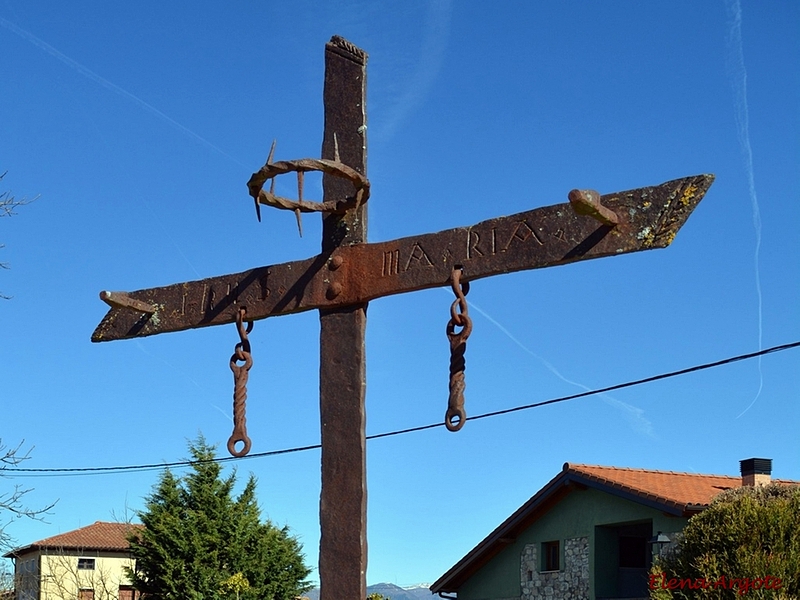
<point>300,166</point>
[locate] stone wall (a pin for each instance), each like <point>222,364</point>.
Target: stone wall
<point>571,582</point>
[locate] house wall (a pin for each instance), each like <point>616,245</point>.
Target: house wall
<point>26,576</point>
<point>570,582</point>
<point>57,576</point>
<point>575,517</point>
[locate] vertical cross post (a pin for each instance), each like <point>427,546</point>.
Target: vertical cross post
<point>343,500</point>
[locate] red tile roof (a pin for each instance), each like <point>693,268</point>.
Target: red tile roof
<point>667,487</point>
<point>689,491</point>
<point>98,536</point>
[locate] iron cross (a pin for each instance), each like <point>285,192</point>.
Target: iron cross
<point>348,273</point>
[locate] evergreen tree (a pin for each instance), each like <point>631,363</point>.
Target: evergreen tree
<point>197,539</point>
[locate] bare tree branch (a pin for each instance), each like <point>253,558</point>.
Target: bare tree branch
<point>8,202</point>
<point>7,205</point>
<point>11,503</point>
<point>6,581</point>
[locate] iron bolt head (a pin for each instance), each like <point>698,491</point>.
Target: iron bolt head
<point>335,263</point>
<point>333,290</point>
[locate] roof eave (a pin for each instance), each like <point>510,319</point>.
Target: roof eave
<point>497,539</point>
<point>17,552</point>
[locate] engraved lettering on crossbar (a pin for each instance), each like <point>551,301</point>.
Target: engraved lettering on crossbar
<point>419,257</point>
<point>476,245</point>
<point>473,239</point>
<point>190,304</point>
<point>522,233</point>
<point>212,296</point>
<point>265,291</point>
<point>391,263</point>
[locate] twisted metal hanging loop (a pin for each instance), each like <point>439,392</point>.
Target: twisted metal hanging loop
<point>456,416</point>
<point>241,353</point>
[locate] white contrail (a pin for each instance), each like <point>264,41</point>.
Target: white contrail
<point>115,88</point>
<point>168,235</point>
<point>738,76</point>
<point>89,74</point>
<point>169,364</point>
<point>634,415</point>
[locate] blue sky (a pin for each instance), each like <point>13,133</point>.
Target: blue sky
<point>139,124</point>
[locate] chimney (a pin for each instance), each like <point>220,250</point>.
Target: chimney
<point>756,471</point>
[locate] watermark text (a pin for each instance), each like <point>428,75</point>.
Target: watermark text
<point>741,584</point>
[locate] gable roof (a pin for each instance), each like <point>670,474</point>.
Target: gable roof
<point>679,494</point>
<point>100,535</point>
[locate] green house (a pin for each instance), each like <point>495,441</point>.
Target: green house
<point>590,533</point>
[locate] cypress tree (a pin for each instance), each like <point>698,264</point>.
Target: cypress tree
<point>198,538</point>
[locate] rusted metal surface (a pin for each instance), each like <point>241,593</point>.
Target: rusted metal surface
<point>123,300</point>
<point>342,372</point>
<point>587,202</point>
<point>456,415</point>
<point>347,275</point>
<point>241,353</point>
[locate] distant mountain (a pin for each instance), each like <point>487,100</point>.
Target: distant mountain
<point>390,590</point>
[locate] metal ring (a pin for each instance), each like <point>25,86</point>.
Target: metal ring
<point>235,439</point>
<point>456,338</point>
<point>450,419</point>
<point>247,359</point>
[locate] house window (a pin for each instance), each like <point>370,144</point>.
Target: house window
<point>86,563</point>
<point>85,594</point>
<point>550,556</point>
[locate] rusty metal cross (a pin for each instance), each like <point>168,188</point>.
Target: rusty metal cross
<point>348,273</point>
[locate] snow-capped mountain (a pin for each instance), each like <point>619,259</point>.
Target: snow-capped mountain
<point>390,590</point>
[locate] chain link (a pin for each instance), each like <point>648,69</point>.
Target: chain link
<point>241,353</point>
<point>456,416</point>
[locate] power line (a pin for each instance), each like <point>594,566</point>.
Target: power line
<point>24,472</point>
